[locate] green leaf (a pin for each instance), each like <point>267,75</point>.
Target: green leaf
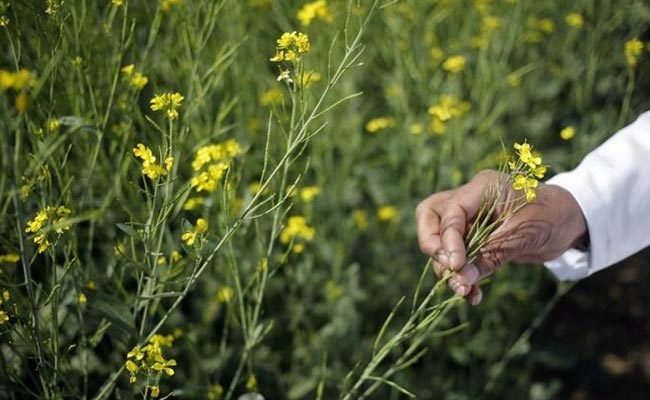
<point>114,311</point>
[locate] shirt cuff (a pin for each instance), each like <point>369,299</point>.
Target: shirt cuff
<point>572,265</point>
<point>575,264</point>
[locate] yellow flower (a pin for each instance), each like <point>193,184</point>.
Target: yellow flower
<point>527,184</point>
<point>307,78</point>
<point>211,162</point>
<point>149,166</point>
<point>168,102</point>
<point>568,133</point>
<point>524,152</point>
<point>215,392</point>
<point>128,69</point>
<point>317,9</point>
<point>633,49</point>
<point>490,23</point>
<point>82,298</point>
<point>176,256</point>
<point>117,2</point>
<point>513,80</point>
<point>309,193</point>
<point>377,124</point>
<point>4,21</point>
<point>193,203</point>
<point>201,225</point>
<point>454,64</point>
<point>162,365</point>
<point>189,238</point>
<point>387,214</point>
<point>575,20</point>
<point>297,227</point>
<point>21,102</point>
<point>4,317</point>
<point>138,80</point>
<point>546,25</point>
<point>53,6</point>
<point>251,383</point>
<point>144,153</point>
<point>436,54</point>
<point>53,125</point>
<point>272,97</point>
<point>9,258</point>
<point>224,295</point>
<point>416,129</point>
<point>155,391</point>
<point>135,353</point>
<point>290,45</point>
<point>167,4</point>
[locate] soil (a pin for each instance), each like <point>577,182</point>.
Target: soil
<point>596,342</point>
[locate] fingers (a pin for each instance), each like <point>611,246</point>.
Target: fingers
<point>468,276</point>
<point>453,224</point>
<point>427,223</point>
<point>475,296</point>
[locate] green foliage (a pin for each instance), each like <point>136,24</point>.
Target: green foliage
<point>262,239</point>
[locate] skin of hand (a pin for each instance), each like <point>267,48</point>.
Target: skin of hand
<point>539,231</point>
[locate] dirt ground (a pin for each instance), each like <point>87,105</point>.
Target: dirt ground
<point>596,342</point>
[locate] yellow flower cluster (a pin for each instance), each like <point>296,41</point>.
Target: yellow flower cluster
<point>4,21</point>
<point>135,78</point>
<point>4,298</point>
<point>633,49</point>
<point>211,162</point>
<point>297,228</point>
<point>150,361</point>
<point>224,295</point>
<point>377,124</point>
<point>166,5</point>
<point>446,109</point>
<point>317,9</point>
<point>19,80</point>
<point>53,6</point>
<point>168,102</point>
<point>387,214</point>
<point>9,258</point>
<point>537,28</point>
<point>568,132</point>
<point>215,392</point>
<point>526,170</point>
<point>200,228</point>
<point>48,219</point>
<point>290,45</point>
<point>309,193</point>
<point>575,20</point>
<point>149,167</point>
<point>454,64</point>
<point>272,97</point>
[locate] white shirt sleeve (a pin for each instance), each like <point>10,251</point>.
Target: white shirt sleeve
<point>612,187</point>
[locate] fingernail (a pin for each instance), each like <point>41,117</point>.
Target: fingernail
<point>454,260</point>
<point>458,287</point>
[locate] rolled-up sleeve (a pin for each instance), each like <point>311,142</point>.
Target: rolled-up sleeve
<point>612,187</point>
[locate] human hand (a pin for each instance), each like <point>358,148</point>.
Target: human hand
<point>537,232</point>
